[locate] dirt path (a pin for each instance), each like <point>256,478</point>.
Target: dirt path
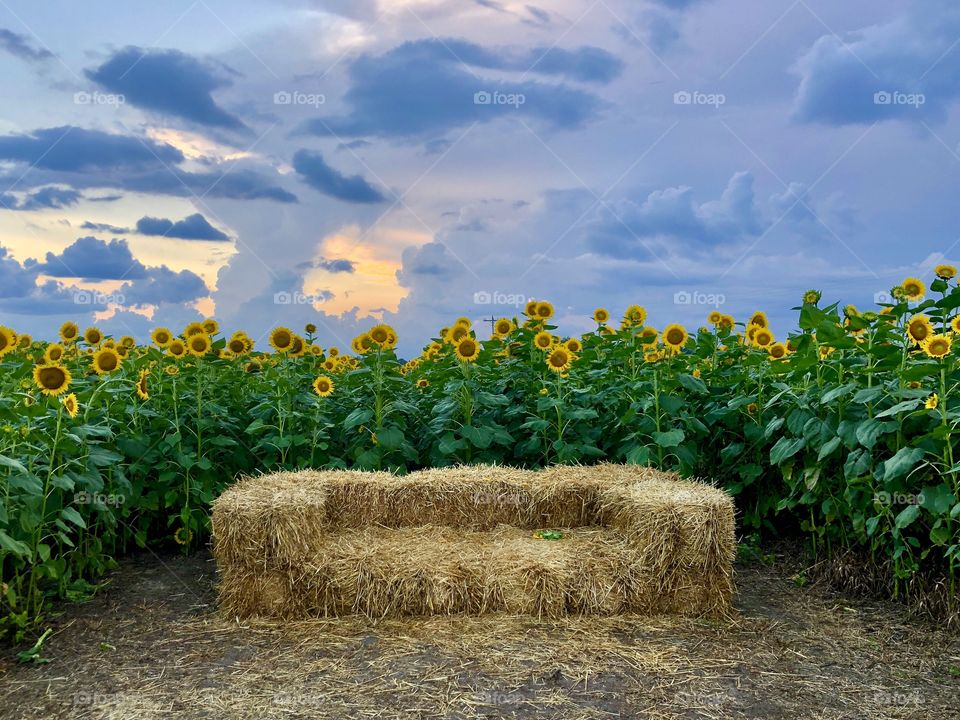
<point>151,646</point>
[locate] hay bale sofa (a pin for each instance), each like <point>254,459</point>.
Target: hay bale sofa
<point>465,540</point>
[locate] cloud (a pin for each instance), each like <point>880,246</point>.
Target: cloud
<point>44,198</point>
<point>905,69</point>
<point>21,47</point>
<point>95,259</point>
<point>339,265</point>
<point>422,88</point>
<point>168,82</point>
<point>192,227</point>
<point>317,174</point>
<point>161,285</point>
<point>75,149</point>
<point>104,227</point>
<point>92,158</point>
<point>672,215</point>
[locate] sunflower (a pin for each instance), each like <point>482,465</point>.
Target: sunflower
<point>714,317</point>
<point>161,337</point>
<point>423,383</point>
<point>252,367</point>
<point>811,297</point>
<point>464,322</point>
<point>752,408</point>
<point>171,370</point>
<point>937,346</point>
<point>955,324</point>
<point>777,351</point>
<point>502,327</point>
<point>309,328</point>
<point>726,322</point>
<point>210,326</point>
<point>8,341</point>
<point>194,328</point>
<point>330,365</point>
<point>759,318</point>
<point>763,337</point>
<point>177,348</point>
<point>601,315</point>
<point>919,328</point>
<point>380,334</point>
<point>945,272</point>
<point>932,402</point>
<point>69,332</point>
<point>543,340</point>
<point>24,341</point>
<point>675,336</point>
<point>70,405</point>
<point>142,389</point>
<point>127,341</point>
<point>913,289</point>
<point>530,309</point>
<point>332,352</point>
<point>544,310</point>
<point>183,535</point>
<point>109,344</point>
<point>105,361</point>
<point>457,333</point>
<point>199,344</point>
<point>468,349</point>
<point>634,315</point>
<point>51,379</point>
<point>53,353</point>
<point>281,339</point>
<point>316,350</point>
<point>825,351</point>
<point>323,386</point>
<point>574,345</point>
<point>851,311</point>
<point>649,335</point>
<point>92,336</point>
<point>238,345</point>
<point>559,359</point>
<point>651,356</point>
<point>298,347</point>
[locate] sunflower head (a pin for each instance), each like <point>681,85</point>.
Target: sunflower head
<point>53,353</point>
<point>726,322</point>
<point>194,328</point>
<point>752,408</point>
<point>298,347</point>
<point>464,321</point>
<point>945,272</point>
<point>574,345</point>
<point>530,309</point>
<point>161,337</point>
<point>762,337</point>
<point>423,383</point>
<point>142,390</point>
<point>198,344</point>
<point>919,328</point>
<point>777,351</point>
<point>24,341</point>
<point>468,349</point>
<point>70,405</point>
<point>281,339</point>
<point>323,386</point>
<point>543,340</point>
<point>937,346</point>
<point>106,360</point>
<point>237,345</point>
<point>92,336</point>
<point>51,379</point>
<point>381,334</point>
<point>955,324</point>
<point>812,297</point>
<point>210,326</point>
<point>544,310</point>
<point>502,327</point>
<point>913,289</point>
<point>69,332</point>
<point>932,402</point>
<point>309,328</point>
<point>675,336</point>
<point>714,317</point>
<point>634,315</point>
<point>177,348</point>
<point>601,316</point>
<point>183,535</point>
<point>559,359</point>
<point>759,318</point>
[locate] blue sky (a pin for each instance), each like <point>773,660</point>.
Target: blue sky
<point>286,161</point>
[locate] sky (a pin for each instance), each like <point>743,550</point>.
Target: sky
<point>344,162</point>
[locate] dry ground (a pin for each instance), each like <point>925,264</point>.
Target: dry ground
<point>151,645</point>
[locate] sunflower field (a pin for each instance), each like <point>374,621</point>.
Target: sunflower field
<point>841,433</point>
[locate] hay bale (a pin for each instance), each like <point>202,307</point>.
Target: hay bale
<point>459,540</point>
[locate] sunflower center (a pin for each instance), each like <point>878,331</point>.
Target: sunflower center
<point>108,361</point>
<point>52,378</point>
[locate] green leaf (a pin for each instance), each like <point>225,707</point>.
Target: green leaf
<point>70,514</point>
<point>13,464</point>
<point>837,392</point>
<point>828,448</point>
<point>668,439</point>
<point>357,417</point>
<point>907,516</point>
<point>14,546</point>
<point>870,430</point>
<point>905,406</point>
<point>785,448</point>
<point>937,498</point>
<point>693,384</point>
<point>902,463</point>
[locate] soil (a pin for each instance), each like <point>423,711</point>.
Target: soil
<point>152,645</point>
